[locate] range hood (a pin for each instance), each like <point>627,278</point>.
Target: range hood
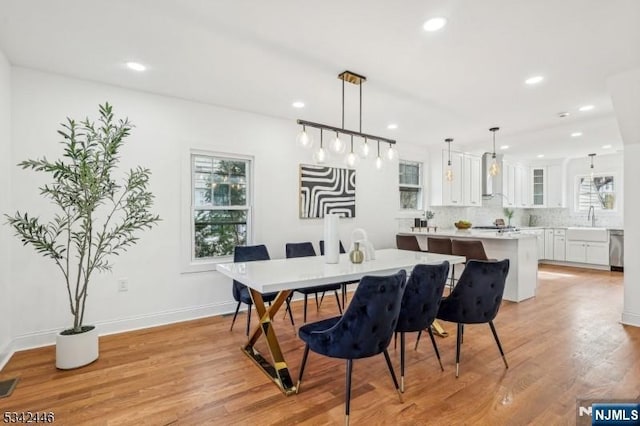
<point>491,185</point>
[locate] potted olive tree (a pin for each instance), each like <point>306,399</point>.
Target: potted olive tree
<point>98,216</point>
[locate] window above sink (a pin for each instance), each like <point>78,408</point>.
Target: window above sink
<point>597,191</point>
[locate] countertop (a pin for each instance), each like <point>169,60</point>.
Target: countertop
<point>473,233</point>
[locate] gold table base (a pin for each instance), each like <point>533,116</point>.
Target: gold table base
<point>278,371</point>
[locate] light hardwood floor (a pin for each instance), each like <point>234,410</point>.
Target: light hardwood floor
<point>565,344</point>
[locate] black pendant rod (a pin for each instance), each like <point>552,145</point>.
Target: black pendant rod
<point>345,131</point>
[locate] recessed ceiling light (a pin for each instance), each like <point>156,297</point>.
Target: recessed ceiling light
<point>392,126</point>
<point>136,66</point>
<point>576,134</point>
<point>563,114</point>
<point>540,155</point>
<point>606,146</point>
<point>434,24</point>
<point>534,80</point>
<point>504,147</point>
<point>586,108</point>
<point>298,104</point>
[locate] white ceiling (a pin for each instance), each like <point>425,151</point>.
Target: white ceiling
<point>262,55</point>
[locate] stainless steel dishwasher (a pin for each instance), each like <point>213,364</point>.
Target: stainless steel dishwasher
<point>616,249</point>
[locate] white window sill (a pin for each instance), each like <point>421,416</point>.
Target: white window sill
<point>207,265</point>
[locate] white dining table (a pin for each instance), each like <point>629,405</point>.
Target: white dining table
<point>285,275</point>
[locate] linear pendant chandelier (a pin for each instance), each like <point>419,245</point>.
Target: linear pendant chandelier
<point>337,145</point>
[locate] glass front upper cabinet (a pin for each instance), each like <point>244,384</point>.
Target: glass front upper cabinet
<point>538,186</point>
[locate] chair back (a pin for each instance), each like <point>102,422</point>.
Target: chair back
<point>471,249</point>
<point>422,297</point>
<point>407,242</point>
<point>342,250</point>
<point>439,245</point>
<point>477,296</point>
<point>299,249</point>
<point>247,254</point>
<point>367,325</point>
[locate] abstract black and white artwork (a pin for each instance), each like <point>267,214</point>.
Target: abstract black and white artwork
<point>326,190</point>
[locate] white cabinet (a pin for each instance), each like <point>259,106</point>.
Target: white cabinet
<point>548,244</point>
<point>521,190</point>
<point>539,233</point>
<point>538,186</point>
<point>509,185</point>
<point>465,189</point>
<point>472,186</point>
<point>452,190</point>
<point>596,253</point>
<point>559,244</point>
<point>555,188</point>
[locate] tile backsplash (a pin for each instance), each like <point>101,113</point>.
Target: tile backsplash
<point>492,210</point>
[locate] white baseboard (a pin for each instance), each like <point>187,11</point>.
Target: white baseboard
<point>575,264</point>
<point>629,318</point>
<point>48,337</point>
<point>5,354</point>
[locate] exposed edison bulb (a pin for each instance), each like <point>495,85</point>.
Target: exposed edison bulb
<point>304,139</point>
<point>320,156</point>
<point>364,153</point>
<point>449,175</point>
<point>494,169</point>
<point>391,152</point>
<point>337,145</point>
<point>378,163</point>
<point>351,159</point>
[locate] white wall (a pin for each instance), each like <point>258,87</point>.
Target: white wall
<point>166,128</point>
<point>5,190</point>
<point>625,94</point>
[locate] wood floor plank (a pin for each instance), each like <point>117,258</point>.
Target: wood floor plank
<point>565,344</point>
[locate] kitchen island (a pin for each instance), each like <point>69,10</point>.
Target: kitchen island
<point>520,249</point>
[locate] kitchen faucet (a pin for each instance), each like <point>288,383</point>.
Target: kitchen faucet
<point>592,215</point>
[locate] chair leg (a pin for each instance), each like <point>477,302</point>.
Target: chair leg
<point>418,338</point>
<point>304,362</point>
<point>495,336</point>
<point>458,342</point>
<point>453,274</point>
<point>344,295</point>
<point>435,348</point>
<point>318,304</point>
<point>347,396</point>
<point>248,319</point>
<point>234,316</point>
<point>462,334</point>
<point>338,301</point>
<point>290,312</point>
<point>321,299</point>
<point>402,361</point>
<point>395,340</point>
<point>304,317</point>
<point>393,374</point>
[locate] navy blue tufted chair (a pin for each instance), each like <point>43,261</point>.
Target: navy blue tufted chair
<point>420,305</point>
<point>303,250</point>
<point>476,299</point>
<point>240,291</point>
<point>363,331</point>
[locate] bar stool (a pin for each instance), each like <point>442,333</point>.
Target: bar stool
<point>441,246</point>
<point>470,249</point>
<point>407,242</point>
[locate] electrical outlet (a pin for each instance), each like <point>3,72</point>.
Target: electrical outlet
<point>123,284</point>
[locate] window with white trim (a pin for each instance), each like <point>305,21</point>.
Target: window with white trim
<point>220,205</point>
<point>597,191</point>
<point>410,178</point>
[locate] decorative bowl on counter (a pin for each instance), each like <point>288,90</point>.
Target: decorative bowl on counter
<point>461,224</point>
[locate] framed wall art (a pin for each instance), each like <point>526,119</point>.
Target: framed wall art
<point>326,190</point>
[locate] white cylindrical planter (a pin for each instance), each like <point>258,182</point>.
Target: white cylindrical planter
<point>76,350</point>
